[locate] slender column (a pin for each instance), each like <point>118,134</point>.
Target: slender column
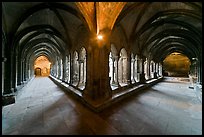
<point>83,72</point>
<point>64,68</point>
<point>133,70</point>
<point>113,78</point>
<point>158,69</point>
<point>56,69</point>
<point>128,70</point>
<point>22,71</point>
<point>71,69</point>
<point>14,75</point>
<point>79,72</point>
<point>155,70</point>
<point>19,78</point>
<point>137,69</point>
<point>59,69</point>
<point>84,69</point>
<point>116,74</point>
<point>142,75</point>
<point>3,74</point>
<point>148,69</point>
<point>122,64</point>
<point>201,69</point>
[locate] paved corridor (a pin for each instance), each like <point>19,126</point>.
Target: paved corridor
<point>168,108</point>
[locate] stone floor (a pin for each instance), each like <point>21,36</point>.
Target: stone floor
<point>42,108</point>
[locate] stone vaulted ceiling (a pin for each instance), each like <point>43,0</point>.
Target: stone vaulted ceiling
<point>148,28</point>
<point>100,15</point>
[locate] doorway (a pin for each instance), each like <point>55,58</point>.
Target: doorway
<point>42,66</point>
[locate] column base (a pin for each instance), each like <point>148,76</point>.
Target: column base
<point>96,96</point>
<point>155,75</point>
<point>142,78</point>
<point>8,99</point>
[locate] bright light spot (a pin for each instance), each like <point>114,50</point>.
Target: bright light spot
<point>100,37</point>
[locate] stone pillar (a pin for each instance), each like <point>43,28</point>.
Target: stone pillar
<point>22,72</point>
<point>71,69</point>
<point>82,81</point>
<point>59,69</point>
<point>128,71</point>
<point>19,72</point>
<point>155,70</point>
<point>79,72</point>
<point>7,68</point>
<point>148,69</point>
<point>116,74</point>
<point>142,74</point>
<point>97,88</point>
<point>84,69</point>
<point>25,70</point>
<point>64,68</point>
<point>15,66</point>
<point>113,78</point>
<point>133,70</point>
<point>199,71</point>
<point>3,73</point>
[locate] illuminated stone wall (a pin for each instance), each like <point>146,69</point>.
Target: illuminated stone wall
<point>177,64</point>
<point>43,63</point>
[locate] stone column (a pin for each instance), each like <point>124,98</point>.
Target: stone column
<point>59,69</point>
<point>19,78</point>
<point>97,85</point>
<point>82,77</point>
<point>56,69</point>
<point>14,71</point>
<point>7,89</point>
<point>22,71</point>
<point>64,68</point>
<point>3,73</point>
<point>84,69</point>
<point>133,70</point>
<point>142,75</point>
<point>71,69</point>
<point>148,69</point>
<point>113,78</point>
<point>116,74</point>
<point>128,71</point>
<point>79,72</point>
<point>26,70</point>
<point>200,73</point>
<point>155,70</point>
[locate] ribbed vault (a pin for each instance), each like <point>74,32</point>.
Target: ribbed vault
<point>147,31</point>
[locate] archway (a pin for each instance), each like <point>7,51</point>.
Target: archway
<point>176,65</point>
<point>42,66</point>
<point>38,71</point>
